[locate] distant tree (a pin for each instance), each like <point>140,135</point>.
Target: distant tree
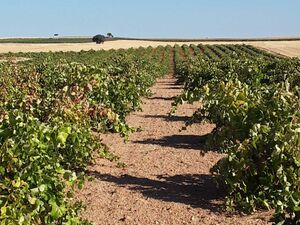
<point>109,35</point>
<point>99,39</point>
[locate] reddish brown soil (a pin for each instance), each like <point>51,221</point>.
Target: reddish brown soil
<point>166,179</point>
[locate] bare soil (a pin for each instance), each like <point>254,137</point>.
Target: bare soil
<point>166,179</point>
<point>288,48</point>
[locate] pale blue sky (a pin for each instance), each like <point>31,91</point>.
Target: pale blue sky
<point>150,18</point>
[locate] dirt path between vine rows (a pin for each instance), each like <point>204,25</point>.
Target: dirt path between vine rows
<point>166,180</point>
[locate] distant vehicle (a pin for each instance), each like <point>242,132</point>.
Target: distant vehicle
<point>99,39</point>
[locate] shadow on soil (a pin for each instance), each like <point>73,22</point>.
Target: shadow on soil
<point>161,98</point>
<point>170,83</point>
<point>169,118</point>
<point>180,142</point>
<point>196,190</point>
<point>174,87</point>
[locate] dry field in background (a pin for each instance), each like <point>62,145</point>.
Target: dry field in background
<point>288,48</point>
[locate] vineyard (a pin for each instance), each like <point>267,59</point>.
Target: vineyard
<point>253,99</point>
<point>52,112</point>
<point>54,107</point>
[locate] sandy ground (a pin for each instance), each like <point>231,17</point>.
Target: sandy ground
<point>166,180</point>
<point>288,48</point>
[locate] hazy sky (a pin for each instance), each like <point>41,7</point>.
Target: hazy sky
<point>150,18</point>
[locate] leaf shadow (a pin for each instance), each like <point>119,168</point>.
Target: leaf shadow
<point>195,190</point>
<point>195,142</point>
